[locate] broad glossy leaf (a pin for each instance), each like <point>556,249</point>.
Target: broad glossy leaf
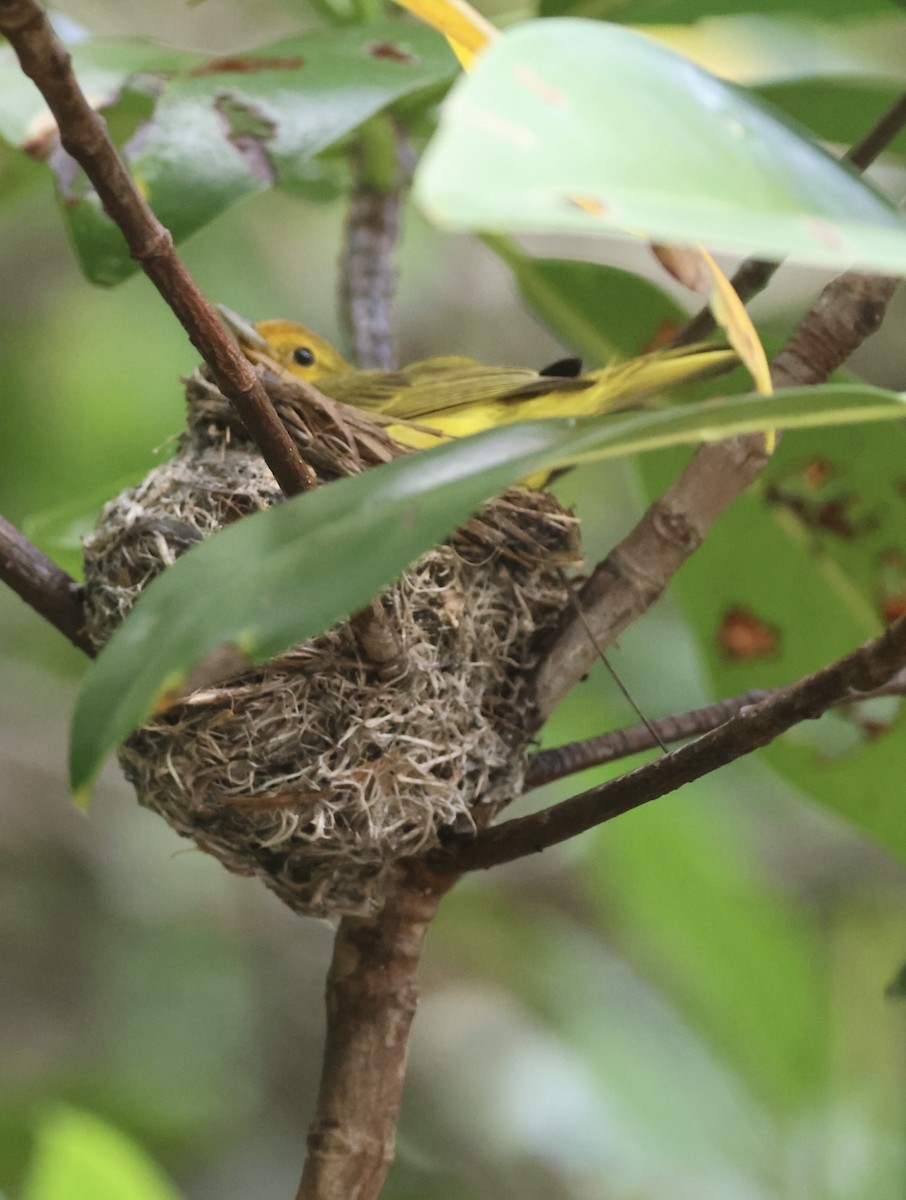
<point>708,929</point>
<point>284,575</point>
<point>801,570</point>
<point>224,128</point>
<point>836,78</point>
<point>600,312</point>
<point>836,112</point>
<point>757,49</point>
<point>542,136</point>
<point>636,11</point>
<point>81,1157</point>
<point>636,1045</point>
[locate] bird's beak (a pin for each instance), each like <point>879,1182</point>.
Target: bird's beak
<point>242,330</point>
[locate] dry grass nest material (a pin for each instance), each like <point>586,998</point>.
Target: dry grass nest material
<point>320,770</point>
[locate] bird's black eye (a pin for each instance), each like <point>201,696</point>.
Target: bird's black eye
<point>303,357</point>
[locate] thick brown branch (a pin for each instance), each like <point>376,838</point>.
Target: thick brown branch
<point>43,585</point>
<point>83,133</point>
<point>636,572</point>
<point>849,310</point>
<point>865,670</point>
<point>372,994</point>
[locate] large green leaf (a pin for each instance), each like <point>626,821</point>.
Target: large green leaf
<point>756,49</point>
<point>834,111</point>
<point>836,78</point>
<point>636,11</point>
<point>600,312</point>
<point>221,129</point>
<point>803,568</point>
<point>80,1157</point>
<point>542,136</point>
<point>284,575</point>
<point>700,919</point>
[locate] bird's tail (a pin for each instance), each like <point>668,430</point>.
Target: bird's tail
<point>621,385</point>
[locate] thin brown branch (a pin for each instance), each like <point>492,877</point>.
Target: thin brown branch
<point>558,762</point>
<point>43,585</point>
<point>861,672</point>
<point>83,134</point>
<point>368,271</point>
<point>635,573</point>
<point>754,275</point>
<point>368,277</point>
<point>879,137</point>
<point>372,994</point>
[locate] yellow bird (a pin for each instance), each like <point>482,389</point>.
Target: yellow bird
<point>451,396</point>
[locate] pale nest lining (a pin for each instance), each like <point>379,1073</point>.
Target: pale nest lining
<point>319,771</point>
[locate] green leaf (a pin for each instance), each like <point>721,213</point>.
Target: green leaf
<point>835,78</point>
<point>708,929</point>
<point>279,577</point>
<point>802,569</point>
<point>59,531</point>
<point>222,129</point>
<point>833,111</point>
<point>81,1157</point>
<point>540,137</point>
<point>636,11</point>
<point>600,312</point>
<point>756,49</point>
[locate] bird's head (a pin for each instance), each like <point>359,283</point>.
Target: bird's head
<point>291,346</point>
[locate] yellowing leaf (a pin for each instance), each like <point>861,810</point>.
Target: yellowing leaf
<point>732,316</point>
<point>467,31</point>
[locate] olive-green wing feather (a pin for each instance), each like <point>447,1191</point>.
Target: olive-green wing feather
<point>461,395</point>
<point>431,387</point>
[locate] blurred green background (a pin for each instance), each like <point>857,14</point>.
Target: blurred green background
<point>689,1002</point>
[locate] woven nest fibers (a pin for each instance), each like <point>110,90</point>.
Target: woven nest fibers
<point>320,770</point>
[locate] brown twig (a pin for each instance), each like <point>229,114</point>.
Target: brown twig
<point>43,585</point>
<point>635,573</point>
<point>558,762</point>
<point>866,669</point>
<point>879,137</point>
<point>368,277</point>
<point>754,275</point>
<point>368,272</point>
<point>83,134</point>
<point>372,993</point>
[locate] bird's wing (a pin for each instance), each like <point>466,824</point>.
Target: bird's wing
<point>436,386</point>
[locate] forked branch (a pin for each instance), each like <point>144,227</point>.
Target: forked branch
<point>628,581</point>
<point>868,668</point>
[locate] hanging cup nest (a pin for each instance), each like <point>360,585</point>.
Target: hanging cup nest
<point>320,770</point>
